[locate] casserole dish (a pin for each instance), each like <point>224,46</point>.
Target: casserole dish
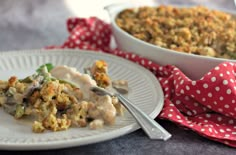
<point>193,66</point>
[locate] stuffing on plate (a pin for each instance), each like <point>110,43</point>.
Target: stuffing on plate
<point>197,30</point>
<point>59,97</point>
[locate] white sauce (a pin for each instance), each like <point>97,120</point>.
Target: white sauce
<point>82,81</point>
<point>104,106</point>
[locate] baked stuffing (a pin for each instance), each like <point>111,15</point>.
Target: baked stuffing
<point>99,72</point>
<point>59,99</point>
<point>197,30</point>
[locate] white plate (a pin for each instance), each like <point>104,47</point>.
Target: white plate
<point>145,92</point>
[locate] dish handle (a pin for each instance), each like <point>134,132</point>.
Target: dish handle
<point>112,9</point>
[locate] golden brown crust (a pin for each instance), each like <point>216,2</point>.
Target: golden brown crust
<point>99,73</point>
<point>12,81</point>
<point>196,30</point>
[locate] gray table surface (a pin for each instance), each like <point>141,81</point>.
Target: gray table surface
<point>29,24</point>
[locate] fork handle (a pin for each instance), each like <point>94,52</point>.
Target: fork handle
<point>149,125</point>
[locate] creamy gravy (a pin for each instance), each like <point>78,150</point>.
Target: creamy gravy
<point>82,81</point>
<point>104,108</point>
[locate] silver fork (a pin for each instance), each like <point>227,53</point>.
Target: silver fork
<point>150,126</point>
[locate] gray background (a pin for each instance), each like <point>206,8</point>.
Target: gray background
<point>27,24</point>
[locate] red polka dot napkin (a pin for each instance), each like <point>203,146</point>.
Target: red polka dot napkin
<point>206,106</point>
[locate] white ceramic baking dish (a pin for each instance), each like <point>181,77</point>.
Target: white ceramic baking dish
<point>194,66</point>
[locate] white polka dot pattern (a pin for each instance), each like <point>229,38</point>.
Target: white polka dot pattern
<point>206,106</point>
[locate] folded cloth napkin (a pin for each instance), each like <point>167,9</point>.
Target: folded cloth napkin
<point>206,106</point>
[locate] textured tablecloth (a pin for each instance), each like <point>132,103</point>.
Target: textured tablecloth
<point>28,24</point>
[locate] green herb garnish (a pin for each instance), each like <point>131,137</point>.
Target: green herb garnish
<point>49,67</point>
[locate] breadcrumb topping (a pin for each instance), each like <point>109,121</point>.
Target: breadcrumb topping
<point>197,30</point>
